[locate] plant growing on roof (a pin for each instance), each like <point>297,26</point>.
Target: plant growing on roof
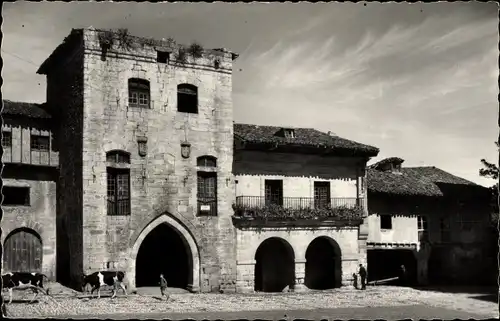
<point>171,42</point>
<point>195,50</point>
<point>181,55</point>
<point>125,40</point>
<point>149,42</point>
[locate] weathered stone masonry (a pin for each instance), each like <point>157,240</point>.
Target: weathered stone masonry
<point>96,118</point>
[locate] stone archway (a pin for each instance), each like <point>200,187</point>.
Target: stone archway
<point>184,235</point>
<point>274,265</point>
<point>323,264</point>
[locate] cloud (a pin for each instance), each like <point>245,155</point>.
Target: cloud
<point>418,81</point>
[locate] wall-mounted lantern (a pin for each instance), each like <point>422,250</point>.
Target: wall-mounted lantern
<point>143,145</point>
<point>185,149</point>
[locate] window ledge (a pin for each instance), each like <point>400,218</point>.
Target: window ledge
<point>3,205</point>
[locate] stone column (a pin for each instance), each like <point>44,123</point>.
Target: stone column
<point>245,276</point>
<point>300,273</point>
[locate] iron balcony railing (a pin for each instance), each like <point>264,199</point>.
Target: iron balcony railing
<point>298,203</point>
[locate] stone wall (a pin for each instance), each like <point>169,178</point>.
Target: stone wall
<point>162,182</point>
<point>299,172</point>
<point>39,217</point>
<point>248,241</point>
<point>65,100</point>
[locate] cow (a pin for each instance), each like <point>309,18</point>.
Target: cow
<point>23,281</point>
<point>102,278</point>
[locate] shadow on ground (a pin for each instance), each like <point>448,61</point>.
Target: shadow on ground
<point>486,297</point>
<point>482,293</point>
<point>459,289</point>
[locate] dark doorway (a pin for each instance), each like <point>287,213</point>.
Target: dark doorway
<point>23,251</point>
<point>323,264</point>
<point>386,264</point>
<point>164,251</point>
<point>274,266</point>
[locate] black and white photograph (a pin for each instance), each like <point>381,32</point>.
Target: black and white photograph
<point>260,160</point>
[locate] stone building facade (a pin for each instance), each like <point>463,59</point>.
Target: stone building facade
<point>29,189</point>
<point>300,208</point>
<point>138,124</point>
<point>153,177</point>
<point>434,223</point>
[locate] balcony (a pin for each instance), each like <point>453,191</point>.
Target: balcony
<point>257,210</point>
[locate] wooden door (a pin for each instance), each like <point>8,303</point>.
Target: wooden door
<point>22,252</point>
<point>274,192</point>
<point>321,194</point>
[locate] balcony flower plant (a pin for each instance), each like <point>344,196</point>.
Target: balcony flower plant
<point>276,213</point>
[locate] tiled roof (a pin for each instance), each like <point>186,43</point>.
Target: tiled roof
<point>30,110</point>
<point>307,137</point>
<point>421,181</point>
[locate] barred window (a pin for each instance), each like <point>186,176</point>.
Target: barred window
<point>187,98</point>
<point>39,143</point>
<point>6,139</point>
<point>118,191</point>
<point>138,93</point>
<point>207,185</point>
<point>118,183</point>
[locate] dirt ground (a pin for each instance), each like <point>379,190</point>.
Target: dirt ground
<point>68,302</point>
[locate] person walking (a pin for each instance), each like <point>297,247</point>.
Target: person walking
<point>163,285</point>
<point>402,275</point>
<point>362,273</point>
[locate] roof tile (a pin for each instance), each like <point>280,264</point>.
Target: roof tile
<point>303,136</point>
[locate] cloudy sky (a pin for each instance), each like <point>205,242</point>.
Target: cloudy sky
<point>419,81</point>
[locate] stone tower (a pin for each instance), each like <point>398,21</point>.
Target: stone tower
<point>146,135</point>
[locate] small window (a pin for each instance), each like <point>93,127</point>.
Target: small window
<point>118,156</point>
<point>138,93</point>
<point>206,161</point>
<point>163,57</point>
<point>187,99</point>
<point>39,143</point>
<point>422,223</point>
<point>385,222</point>
<point>6,139</point>
<point>217,64</point>
<point>289,133</point>
<point>16,196</point>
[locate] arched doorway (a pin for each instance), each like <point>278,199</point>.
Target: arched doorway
<point>386,263</point>
<point>23,251</point>
<point>274,266</point>
<point>323,264</point>
<point>164,251</point>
